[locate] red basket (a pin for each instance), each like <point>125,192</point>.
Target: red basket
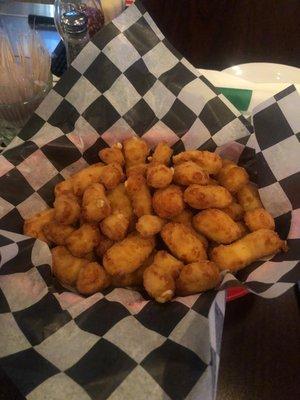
<point>235,292</point>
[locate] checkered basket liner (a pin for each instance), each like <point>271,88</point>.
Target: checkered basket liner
<point>120,344</point>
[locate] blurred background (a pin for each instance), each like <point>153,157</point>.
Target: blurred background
<point>215,34</point>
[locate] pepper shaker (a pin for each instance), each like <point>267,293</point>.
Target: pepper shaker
<point>75,28</point>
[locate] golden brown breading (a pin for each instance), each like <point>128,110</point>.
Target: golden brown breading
<point>189,172</point>
<point>233,177</point>
<point>168,202</point>
<point>208,196</point>
<point>111,155</point>
<point>104,244</point>
<point>185,217</point>
<point>83,240</point>
<point>34,225</point>
<point>64,187</point>
<point>128,280</point>
<point>139,194</point>
<point>67,209</point>
<point>243,228</point>
<point>226,161</point>
<point>183,243</point>
<point>65,266</point>
<point>119,201</point>
<point>259,218</point>
<point>115,226</point>
<point>159,176</point>
<point>246,250</point>
<point>159,285</point>
<point>149,225</point>
<point>197,277</point>
<point>162,154</point>
<point>57,233</point>
<point>92,278</point>
<point>138,169</point>
<point>82,179</point>
<point>217,226</point>
<point>248,197</point>
<point>118,228</point>
<point>168,263</point>
<point>134,278</point>
<point>201,237</point>
<point>159,278</point>
<point>209,162</point>
<point>235,211</point>
<point>136,151</point>
<point>111,176</point>
<point>128,255</point>
<point>95,204</point>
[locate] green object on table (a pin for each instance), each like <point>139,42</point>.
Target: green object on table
<point>240,98</point>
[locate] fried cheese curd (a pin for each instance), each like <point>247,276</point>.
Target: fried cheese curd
<point>83,240</point>
<point>149,225</point>
<point>208,161</point>
<point>162,154</point>
<point>95,205</point>
<point>111,155</point>
<point>168,202</point>
<point>259,218</point>
<point>232,177</point>
<point>217,226</point>
<point>34,226</point>
<point>189,172</point>
<point>92,278</point>
<point>65,266</point>
<point>252,247</point>
<point>183,243</point>
<point>115,226</point>
<point>139,193</point>
<point>57,233</point>
<point>128,255</point>
<point>66,209</point>
<point>159,278</point>
<point>209,196</point>
<point>132,279</point>
<point>159,176</point>
<point>149,219</point>
<point>197,277</point>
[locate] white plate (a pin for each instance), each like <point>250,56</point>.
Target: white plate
<point>265,73</point>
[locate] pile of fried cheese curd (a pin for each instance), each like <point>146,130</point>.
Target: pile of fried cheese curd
<point>167,223</point>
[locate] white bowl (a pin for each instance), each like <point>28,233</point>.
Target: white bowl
<point>265,73</point>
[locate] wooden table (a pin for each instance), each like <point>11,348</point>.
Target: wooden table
<point>216,34</point>
<point>260,357</point>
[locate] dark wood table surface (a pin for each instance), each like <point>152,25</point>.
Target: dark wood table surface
<point>260,358</point>
<point>216,34</point>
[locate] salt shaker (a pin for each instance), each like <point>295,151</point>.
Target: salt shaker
<point>75,26</point>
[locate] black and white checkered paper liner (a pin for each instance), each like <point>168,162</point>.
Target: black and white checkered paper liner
<point>119,344</point>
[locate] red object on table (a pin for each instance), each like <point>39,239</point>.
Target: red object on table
<point>235,292</point>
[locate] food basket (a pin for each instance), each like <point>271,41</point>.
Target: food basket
<point>120,344</point>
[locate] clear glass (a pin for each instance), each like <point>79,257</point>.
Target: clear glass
<point>14,116</point>
<point>92,9</point>
<point>74,44</point>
